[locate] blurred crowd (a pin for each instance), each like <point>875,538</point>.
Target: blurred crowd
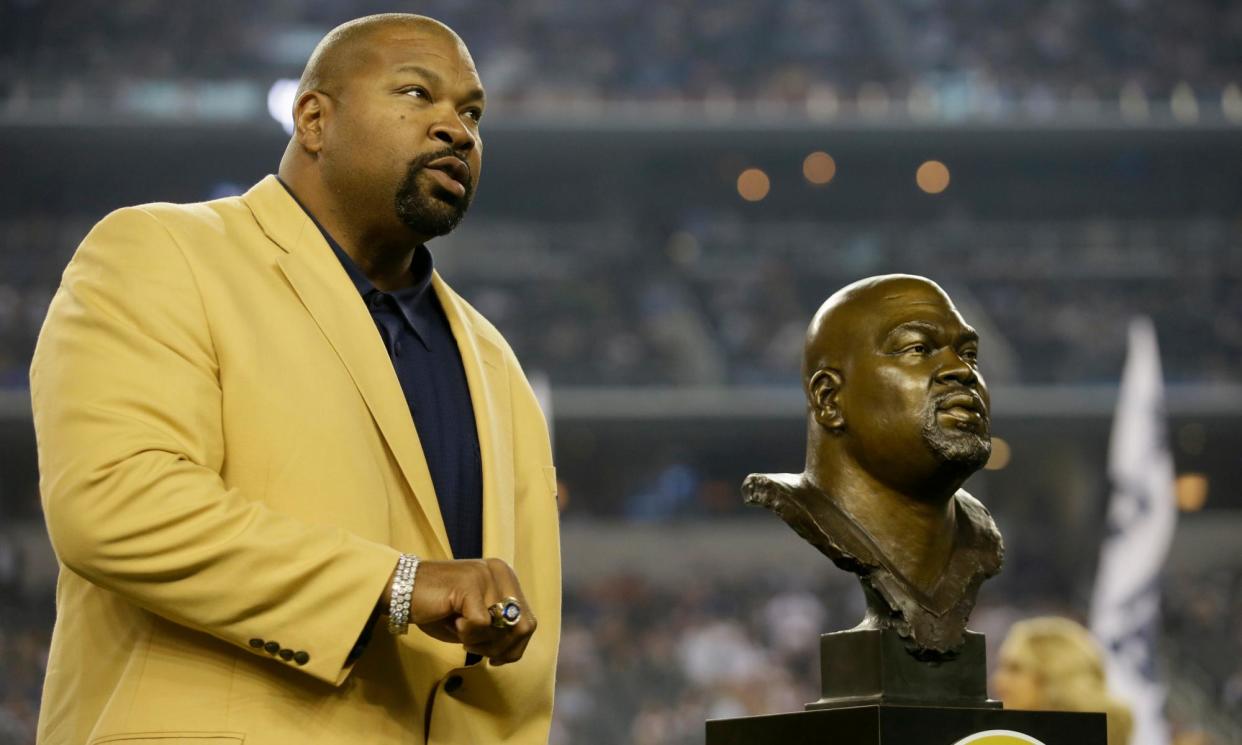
<point>23,658</point>
<point>646,664</point>
<point>642,664</point>
<point>25,634</point>
<point>723,302</point>
<point>966,55</point>
<point>1204,615</point>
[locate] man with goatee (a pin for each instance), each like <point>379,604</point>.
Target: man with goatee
<point>272,440</point>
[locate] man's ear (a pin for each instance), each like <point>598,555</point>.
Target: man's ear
<point>822,391</point>
<point>308,119</point>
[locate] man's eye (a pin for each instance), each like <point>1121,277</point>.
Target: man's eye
<point>418,92</point>
<point>971,355</point>
<point>918,348</point>
<point>475,114</point>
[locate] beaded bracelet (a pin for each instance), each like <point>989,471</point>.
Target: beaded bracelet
<point>402,588</point>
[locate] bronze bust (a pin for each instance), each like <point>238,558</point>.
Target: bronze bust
<point>898,419</point>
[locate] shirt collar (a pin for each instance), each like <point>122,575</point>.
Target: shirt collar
<point>410,300</point>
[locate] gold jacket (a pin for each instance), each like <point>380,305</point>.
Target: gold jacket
<point>227,460</point>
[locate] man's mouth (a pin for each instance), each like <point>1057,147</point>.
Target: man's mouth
<point>451,173</point>
<point>967,409</point>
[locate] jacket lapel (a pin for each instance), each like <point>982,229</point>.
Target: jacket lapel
<point>484,363</point>
<point>325,290</point>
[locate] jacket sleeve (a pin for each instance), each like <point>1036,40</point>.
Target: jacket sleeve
<point>127,412</point>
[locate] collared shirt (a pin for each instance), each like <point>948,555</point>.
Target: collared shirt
<point>428,365</point>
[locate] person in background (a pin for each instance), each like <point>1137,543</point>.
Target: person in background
<point>1054,664</point>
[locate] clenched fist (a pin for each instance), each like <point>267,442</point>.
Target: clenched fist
<point>450,602</point>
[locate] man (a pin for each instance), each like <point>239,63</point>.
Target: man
<point>898,419</point>
<point>255,415</point>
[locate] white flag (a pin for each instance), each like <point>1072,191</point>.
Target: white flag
<point>1142,513</point>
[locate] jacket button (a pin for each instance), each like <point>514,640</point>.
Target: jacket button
<point>286,654</point>
<point>301,657</point>
<point>452,684</point>
<point>256,643</point>
<point>271,647</point>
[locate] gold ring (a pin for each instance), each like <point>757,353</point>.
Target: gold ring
<point>506,613</point>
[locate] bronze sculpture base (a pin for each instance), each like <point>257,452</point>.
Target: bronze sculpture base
<point>904,725</point>
<point>875,666</point>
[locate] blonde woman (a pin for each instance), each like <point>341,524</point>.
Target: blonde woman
<point>1054,664</point>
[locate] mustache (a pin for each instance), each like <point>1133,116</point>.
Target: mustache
<point>961,396</point>
<point>421,162</point>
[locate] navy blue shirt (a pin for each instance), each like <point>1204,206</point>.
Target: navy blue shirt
<point>425,357</point>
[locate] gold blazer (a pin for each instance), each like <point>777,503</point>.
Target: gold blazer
<point>228,466</point>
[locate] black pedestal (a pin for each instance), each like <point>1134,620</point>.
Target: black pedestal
<point>904,725</point>
<point>875,691</point>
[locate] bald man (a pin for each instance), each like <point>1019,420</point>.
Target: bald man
<point>898,419</point>
<point>300,491</point>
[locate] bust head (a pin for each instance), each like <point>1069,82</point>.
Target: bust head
<point>893,390</point>
<point>898,418</point>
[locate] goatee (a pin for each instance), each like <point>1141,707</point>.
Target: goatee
<point>427,209</point>
<point>962,448</point>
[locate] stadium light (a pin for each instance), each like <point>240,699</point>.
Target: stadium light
<point>1183,104</point>
<point>819,168</point>
<point>753,184</point>
<point>932,177</point>
<point>1192,491</point>
<point>280,102</point>
<point>1001,454</point>
<point>822,102</point>
<point>1231,103</point>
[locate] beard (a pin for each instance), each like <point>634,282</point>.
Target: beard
<point>967,450</point>
<point>427,209</point>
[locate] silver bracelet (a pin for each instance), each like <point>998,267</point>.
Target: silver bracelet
<point>399,600</point>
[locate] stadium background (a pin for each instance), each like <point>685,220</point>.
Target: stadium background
<point>671,188</point>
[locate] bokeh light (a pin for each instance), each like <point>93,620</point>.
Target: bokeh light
<point>819,167</point>
<point>932,177</point>
<point>1192,491</point>
<point>753,184</point>
<point>1183,104</point>
<point>1231,102</point>
<point>1001,453</point>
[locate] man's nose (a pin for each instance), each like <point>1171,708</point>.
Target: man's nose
<point>451,131</point>
<point>956,370</point>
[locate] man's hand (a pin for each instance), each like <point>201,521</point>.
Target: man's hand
<point>450,602</point>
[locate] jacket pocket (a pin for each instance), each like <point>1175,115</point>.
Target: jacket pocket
<point>172,738</point>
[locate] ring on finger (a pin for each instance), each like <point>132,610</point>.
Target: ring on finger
<point>506,613</point>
